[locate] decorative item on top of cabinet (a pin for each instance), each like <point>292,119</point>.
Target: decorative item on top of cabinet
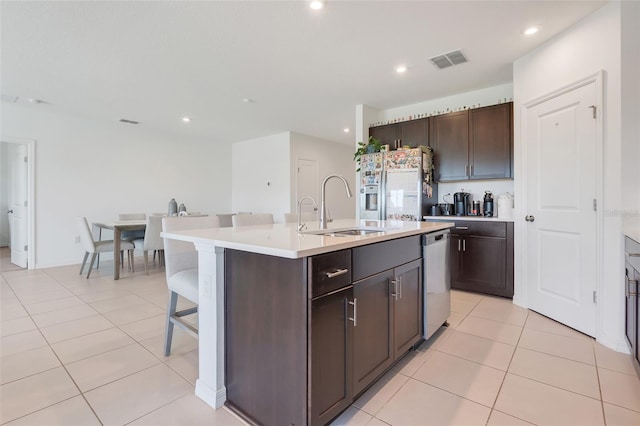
<point>474,144</point>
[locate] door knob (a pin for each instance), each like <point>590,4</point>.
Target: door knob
<point>529,218</point>
<point>9,211</point>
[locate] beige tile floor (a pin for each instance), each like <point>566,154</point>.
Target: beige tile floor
<point>84,352</point>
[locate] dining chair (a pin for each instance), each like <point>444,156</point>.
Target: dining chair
<point>95,247</point>
<point>290,218</point>
<point>225,220</point>
<point>252,219</point>
<point>152,241</point>
<point>181,268</point>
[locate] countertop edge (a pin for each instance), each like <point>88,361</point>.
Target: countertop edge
<point>468,218</point>
<point>318,244</point>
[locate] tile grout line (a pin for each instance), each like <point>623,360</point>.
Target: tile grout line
<point>493,406</point>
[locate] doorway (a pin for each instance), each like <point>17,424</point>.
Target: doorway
<point>563,181</point>
<point>306,187</point>
<point>17,201</point>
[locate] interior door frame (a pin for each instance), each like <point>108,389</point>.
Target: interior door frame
<point>31,186</point>
<point>521,285</point>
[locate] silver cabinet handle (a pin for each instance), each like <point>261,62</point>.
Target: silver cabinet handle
<point>336,273</point>
<point>395,288</point>
<point>459,242</point>
<point>461,227</point>
<point>355,312</point>
<point>464,245</point>
<point>400,286</point>
<point>633,254</point>
<point>631,282</point>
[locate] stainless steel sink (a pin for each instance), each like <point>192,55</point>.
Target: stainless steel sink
<point>347,232</point>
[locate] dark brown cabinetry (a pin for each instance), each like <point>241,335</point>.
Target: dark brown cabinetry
<point>473,144</point>
<point>632,299</point>
<point>303,337</point>
<point>373,351</point>
<point>331,355</point>
<point>413,133</point>
<point>389,306</point>
<point>481,257</point>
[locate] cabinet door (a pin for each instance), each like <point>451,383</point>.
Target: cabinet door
<point>490,142</point>
<point>331,342</point>
<point>450,141</point>
<point>386,134</point>
<point>372,349</point>
<point>407,310</point>
<point>482,267</point>
<point>414,133</point>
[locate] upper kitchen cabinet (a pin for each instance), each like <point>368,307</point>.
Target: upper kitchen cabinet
<point>491,142</point>
<point>386,134</point>
<point>474,144</point>
<point>450,142</point>
<point>412,133</point>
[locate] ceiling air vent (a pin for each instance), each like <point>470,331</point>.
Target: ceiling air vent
<point>448,59</point>
<point>124,120</point>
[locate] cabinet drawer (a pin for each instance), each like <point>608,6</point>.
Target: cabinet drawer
<point>329,272</point>
<point>485,229</point>
<point>375,258</point>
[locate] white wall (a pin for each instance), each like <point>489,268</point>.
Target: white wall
<point>480,98</point>
<point>260,175</point>
<point>630,115</point>
<point>4,194</point>
<point>331,158</point>
<point>264,174</point>
<point>97,169</point>
<point>591,45</point>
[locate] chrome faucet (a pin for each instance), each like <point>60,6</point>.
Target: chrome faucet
<point>323,204</point>
<point>301,225</point>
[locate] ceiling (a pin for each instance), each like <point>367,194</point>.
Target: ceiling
<point>303,70</point>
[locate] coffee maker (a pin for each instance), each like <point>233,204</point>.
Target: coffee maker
<point>487,206</point>
<point>462,203</point>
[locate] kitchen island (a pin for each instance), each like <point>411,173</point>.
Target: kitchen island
<point>266,295</point>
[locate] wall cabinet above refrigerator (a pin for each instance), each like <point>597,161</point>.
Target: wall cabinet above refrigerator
<point>411,133</point>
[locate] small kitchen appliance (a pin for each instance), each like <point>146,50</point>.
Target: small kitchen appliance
<point>462,203</point>
<point>487,205</point>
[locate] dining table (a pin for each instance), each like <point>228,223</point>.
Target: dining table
<point>117,227</point>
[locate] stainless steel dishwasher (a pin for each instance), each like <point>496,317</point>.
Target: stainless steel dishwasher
<point>437,282</point>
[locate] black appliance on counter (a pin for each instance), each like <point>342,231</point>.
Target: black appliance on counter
<point>487,205</point>
<point>462,203</point>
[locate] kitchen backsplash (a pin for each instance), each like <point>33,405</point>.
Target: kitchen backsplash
<point>476,188</point>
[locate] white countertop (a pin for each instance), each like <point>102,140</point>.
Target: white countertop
<point>634,235</point>
<point>284,240</point>
<point>473,218</point>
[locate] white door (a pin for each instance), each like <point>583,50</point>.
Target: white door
<point>18,203</point>
<point>561,184</point>
<point>306,187</point>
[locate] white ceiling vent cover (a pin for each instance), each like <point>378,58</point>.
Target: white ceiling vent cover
<point>448,59</point>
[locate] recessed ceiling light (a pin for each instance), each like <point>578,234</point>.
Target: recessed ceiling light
<point>531,30</point>
<point>346,130</point>
<point>186,119</point>
<point>248,100</point>
<point>401,69</point>
<point>316,4</point>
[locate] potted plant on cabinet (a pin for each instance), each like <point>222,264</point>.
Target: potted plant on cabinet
<point>372,145</point>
